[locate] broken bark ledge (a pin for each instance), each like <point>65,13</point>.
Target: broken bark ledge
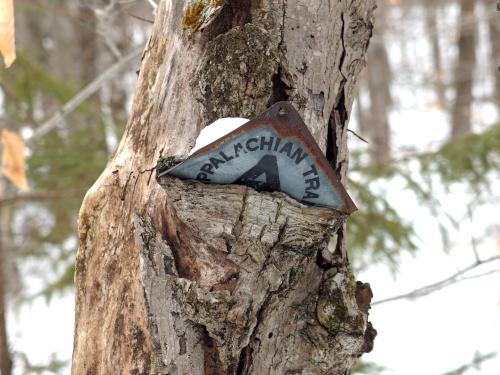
<point>274,301</point>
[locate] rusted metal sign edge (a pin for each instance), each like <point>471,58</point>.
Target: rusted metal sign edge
<point>273,151</point>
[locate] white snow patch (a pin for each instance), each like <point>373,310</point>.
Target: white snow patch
<point>216,130</point>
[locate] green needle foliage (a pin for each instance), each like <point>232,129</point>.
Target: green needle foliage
<point>65,161</point>
<point>367,368</point>
<point>380,231</point>
<point>475,364</point>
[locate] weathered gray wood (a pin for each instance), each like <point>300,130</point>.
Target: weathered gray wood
<point>245,276</point>
<point>233,59</point>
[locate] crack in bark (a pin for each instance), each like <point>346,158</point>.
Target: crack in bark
<point>343,55</point>
<point>336,127</point>
<point>282,28</point>
<point>213,362</point>
<point>232,14</point>
<point>124,189</point>
<point>279,88</point>
<point>243,360</point>
<point>237,227</point>
<point>233,319</point>
<point>246,352</point>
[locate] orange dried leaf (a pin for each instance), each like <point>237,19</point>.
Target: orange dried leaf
<point>13,159</point>
<point>7,41</point>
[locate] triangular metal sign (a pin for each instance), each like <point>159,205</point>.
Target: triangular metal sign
<point>272,152</point>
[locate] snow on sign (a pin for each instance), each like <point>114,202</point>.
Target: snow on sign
<point>272,152</point>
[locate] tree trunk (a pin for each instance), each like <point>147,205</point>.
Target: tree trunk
<point>379,87</point>
<point>379,79</point>
<point>437,75</point>
<point>5,354</point>
<point>187,278</point>
<point>85,31</point>
<point>464,71</point>
<point>494,32</point>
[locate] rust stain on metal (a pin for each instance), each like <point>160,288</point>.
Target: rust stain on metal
<point>272,152</point>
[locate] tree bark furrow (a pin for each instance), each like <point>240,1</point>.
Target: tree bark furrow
<point>278,284</point>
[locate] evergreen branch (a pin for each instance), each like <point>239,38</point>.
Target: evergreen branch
<point>476,363</point>
<point>84,94</point>
<point>450,153</point>
<point>453,279</point>
<point>138,17</point>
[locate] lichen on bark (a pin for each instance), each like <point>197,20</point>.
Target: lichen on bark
<point>235,76</point>
<point>337,309</point>
<point>198,12</point>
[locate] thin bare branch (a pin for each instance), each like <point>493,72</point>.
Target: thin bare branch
<point>479,275</point>
<point>40,196</point>
<point>84,94</point>
<point>104,25</point>
<point>357,135</point>
<point>138,17</point>
<point>112,47</point>
<point>153,4</point>
<point>453,279</point>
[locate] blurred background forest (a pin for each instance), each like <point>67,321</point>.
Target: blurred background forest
<point>425,160</point>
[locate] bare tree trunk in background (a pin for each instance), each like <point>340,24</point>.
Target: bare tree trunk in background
<point>85,32</point>
<point>431,22</point>
<point>378,75</point>
<point>5,355</point>
<point>203,279</point>
<point>464,71</point>
<point>494,31</point>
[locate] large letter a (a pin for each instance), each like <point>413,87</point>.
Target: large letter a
<point>267,166</point>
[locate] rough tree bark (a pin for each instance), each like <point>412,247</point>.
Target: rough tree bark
<point>186,278</point>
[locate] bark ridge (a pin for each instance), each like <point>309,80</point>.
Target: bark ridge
<point>275,304</point>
